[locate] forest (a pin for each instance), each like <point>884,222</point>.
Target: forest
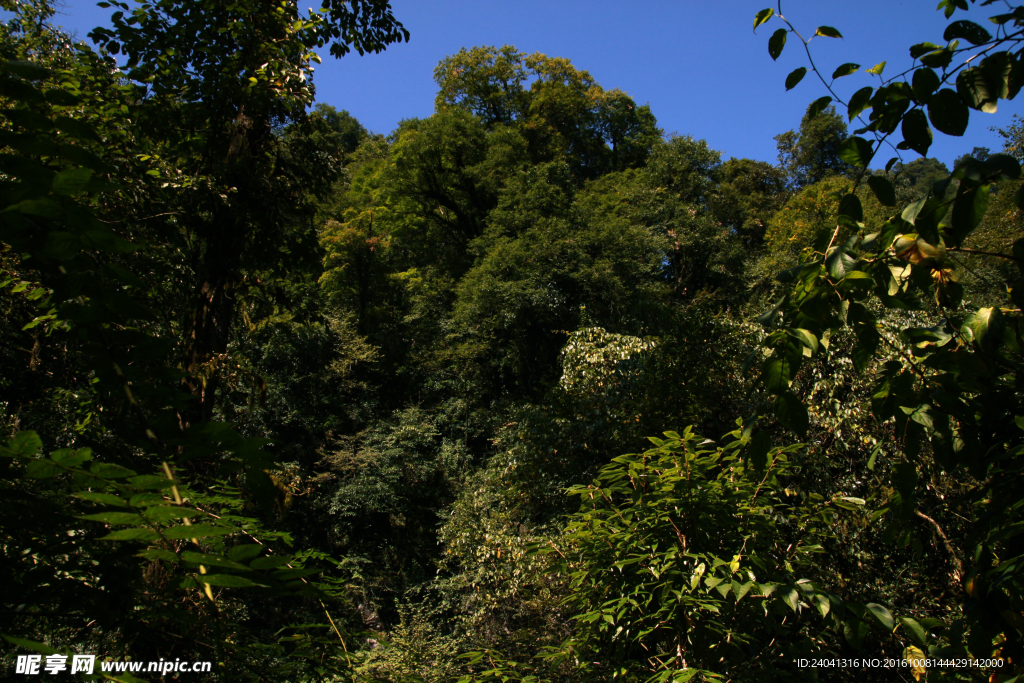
<point>524,391</point>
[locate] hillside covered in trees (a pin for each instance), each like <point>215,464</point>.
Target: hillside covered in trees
<point>525,390</point>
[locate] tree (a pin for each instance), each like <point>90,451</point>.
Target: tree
<point>812,154</point>
<point>811,214</point>
<point>342,131</point>
<point>110,509</point>
<point>221,77</point>
<point>28,36</point>
<point>550,251</point>
<point>564,114</point>
<point>748,194</point>
<point>978,154</point>
<point>922,174</point>
<point>487,81</point>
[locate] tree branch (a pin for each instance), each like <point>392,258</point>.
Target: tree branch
<point>982,253</point>
<point>958,565</point>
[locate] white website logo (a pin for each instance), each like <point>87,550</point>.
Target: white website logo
<point>54,664</point>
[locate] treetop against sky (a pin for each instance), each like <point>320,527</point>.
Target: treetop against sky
<point>699,65</point>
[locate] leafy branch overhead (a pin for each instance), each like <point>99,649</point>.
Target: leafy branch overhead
<point>951,395</point>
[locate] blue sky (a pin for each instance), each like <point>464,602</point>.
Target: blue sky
<point>698,64</point>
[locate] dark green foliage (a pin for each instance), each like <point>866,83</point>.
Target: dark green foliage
<point>813,153</point>
<point>921,174</point>
<point>749,193</point>
<point>947,376</point>
<point>341,130</point>
<point>158,586</point>
<point>564,114</point>
<point>306,402</point>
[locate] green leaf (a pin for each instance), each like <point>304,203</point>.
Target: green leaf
<point>856,151</point>
<point>975,88</point>
<point>777,372</point>
<point>71,180</point>
<point>806,337</point>
<point>30,645</point>
<point>1001,19</point>
<point>295,572</point>
<point>46,208</point>
<point>101,498</point>
<point>227,580</point>
<point>151,482</point>
<point>114,518</point>
<point>740,590</point>
<point>968,30</point>
<point>62,98</point>
<point>70,458</point>
<point>196,531</point>
<point>42,469</point>
<point>268,562</point>
<point>916,132</point>
<point>27,70</point>
<point>948,113</point>
<point>854,630</point>
<point>988,325</point>
<point>877,69</point>
<point>839,262</point>
<point>925,82</point>
<point>105,470</point>
<point>845,70</point>
<point>968,211</point>
<point>158,554</point>
<point>913,210</point>
<point>162,514</point>
<point>881,615</point>
<point>851,207</point>
<point>134,534</point>
<point>1001,167</point>
<point>241,553</point>
<point>776,43</point>
<point>792,413</point>
<point>767,319</point>
<point>859,101</point>
<point>828,32</point>
<point>757,451</point>
<point>763,16</point>
<point>818,106</point>
<point>823,604</point>
<point>883,190</point>
<point>25,444</point>
<point>939,59</point>
<point>874,452</point>
<point>921,49</point>
<point>795,76</point>
<point>915,631</point>
<point>142,500</point>
<point>905,477</point>
<point>211,560</point>
<point>791,597</point>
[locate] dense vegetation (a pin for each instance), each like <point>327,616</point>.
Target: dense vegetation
<point>316,404</point>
